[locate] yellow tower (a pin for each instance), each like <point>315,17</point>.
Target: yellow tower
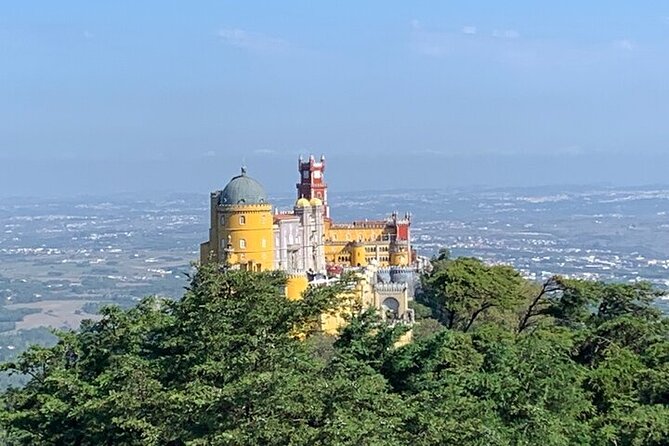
<point>241,231</point>
<point>399,258</point>
<point>358,257</point>
<point>296,285</point>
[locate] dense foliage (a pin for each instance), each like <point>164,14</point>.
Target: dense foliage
<point>496,360</point>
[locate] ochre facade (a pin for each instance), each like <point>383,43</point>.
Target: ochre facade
<point>241,233</point>
<point>247,233</point>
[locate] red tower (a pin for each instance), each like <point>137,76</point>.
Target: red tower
<point>312,183</point>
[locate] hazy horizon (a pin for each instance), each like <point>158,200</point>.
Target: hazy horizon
<point>127,97</point>
<point>344,173</point>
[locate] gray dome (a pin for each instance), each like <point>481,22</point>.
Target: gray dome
<point>243,189</point>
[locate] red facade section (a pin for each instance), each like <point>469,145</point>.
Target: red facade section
<point>312,181</point>
<point>403,231</point>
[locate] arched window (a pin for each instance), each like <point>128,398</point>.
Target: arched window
<point>242,220</point>
<point>222,220</point>
<point>242,243</point>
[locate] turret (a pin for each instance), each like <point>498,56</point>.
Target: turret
<point>312,181</point>
<point>400,244</point>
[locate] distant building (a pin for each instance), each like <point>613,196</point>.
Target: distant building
<point>246,233</point>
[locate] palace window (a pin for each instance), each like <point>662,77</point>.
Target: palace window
<point>242,243</point>
<point>222,220</point>
<point>242,220</point>
<point>263,243</point>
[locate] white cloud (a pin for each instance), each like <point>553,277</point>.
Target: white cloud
<point>574,150</point>
<point>264,151</point>
<point>506,34</point>
<point>432,49</point>
<point>252,41</point>
<point>624,44</point>
<point>467,41</point>
<point>507,48</point>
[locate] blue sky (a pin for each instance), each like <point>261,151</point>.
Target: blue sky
<point>101,97</point>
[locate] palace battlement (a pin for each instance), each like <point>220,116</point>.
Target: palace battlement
<point>390,287</point>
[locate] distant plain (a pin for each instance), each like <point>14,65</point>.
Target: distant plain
<point>63,258</point>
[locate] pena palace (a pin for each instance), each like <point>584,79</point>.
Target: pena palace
<point>247,232</point>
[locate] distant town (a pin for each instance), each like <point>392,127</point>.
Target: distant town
<point>63,258</point>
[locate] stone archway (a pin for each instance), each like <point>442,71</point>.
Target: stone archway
<point>391,308</point>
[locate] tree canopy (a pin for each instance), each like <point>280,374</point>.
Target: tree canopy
<point>496,360</point>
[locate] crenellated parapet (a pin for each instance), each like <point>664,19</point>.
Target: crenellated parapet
<point>390,287</point>
<point>383,275</point>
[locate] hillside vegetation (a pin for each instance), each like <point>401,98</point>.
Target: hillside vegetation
<point>496,360</point>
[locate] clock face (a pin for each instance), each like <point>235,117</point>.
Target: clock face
<point>317,174</point>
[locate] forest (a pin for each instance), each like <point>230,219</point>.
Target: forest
<point>495,360</point>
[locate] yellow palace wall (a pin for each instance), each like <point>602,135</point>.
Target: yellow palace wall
<point>249,229</point>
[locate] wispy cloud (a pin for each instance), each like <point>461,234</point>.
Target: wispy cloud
<point>252,41</point>
<point>624,44</point>
<point>264,151</point>
<point>506,34</point>
<point>433,45</point>
<point>508,47</point>
<point>469,39</point>
<point>572,150</point>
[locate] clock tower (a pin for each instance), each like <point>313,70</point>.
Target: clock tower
<point>312,183</point>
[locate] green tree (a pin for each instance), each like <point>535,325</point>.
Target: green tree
<point>236,363</point>
<point>463,290</point>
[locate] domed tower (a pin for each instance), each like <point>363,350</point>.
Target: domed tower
<point>241,233</point>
